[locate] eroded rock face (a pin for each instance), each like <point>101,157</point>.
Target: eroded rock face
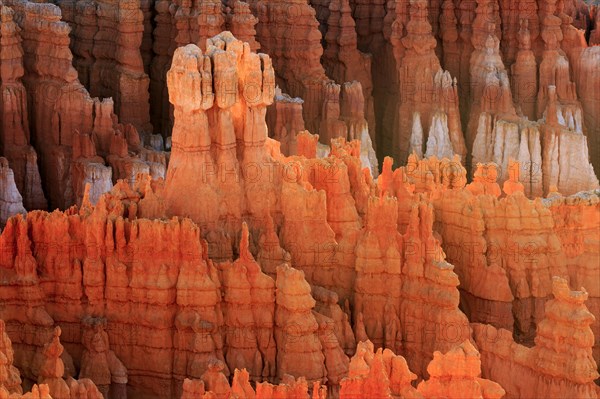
<point>288,32</point>
<point>107,40</point>
<point>15,134</point>
<point>342,60</point>
<point>11,201</point>
<point>11,380</point>
<point>430,96</point>
<point>300,351</point>
<point>241,23</point>
<point>500,130</point>
<point>285,122</point>
<point>253,264</point>
<point>99,363</point>
<point>249,315</point>
<point>503,360</point>
<point>456,374</point>
<point>62,111</point>
<point>241,388</point>
<point>382,374</point>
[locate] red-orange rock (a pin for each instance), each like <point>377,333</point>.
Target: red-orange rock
<point>588,80</point>
<point>595,33</point>
<point>263,258</point>
<point>285,121</point>
<point>379,374</point>
<point>342,60</point>
<point>549,368</point>
<point>57,95</point>
<point>299,350</point>
<point>456,375</point>
<point>99,363</point>
<point>108,37</point>
<point>249,315</point>
<point>241,22</point>
<point>428,90</point>
<point>296,59</point>
<point>50,369</point>
<point>10,379</point>
<point>513,183</point>
<point>15,142</point>
<point>484,180</point>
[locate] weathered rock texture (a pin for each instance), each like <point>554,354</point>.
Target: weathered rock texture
<point>333,106</point>
<point>11,380</point>
<point>288,388</point>
<point>253,265</point>
<point>498,131</point>
<point>285,121</point>
<point>342,60</point>
<point>559,365</point>
<point>50,368</point>
<point>14,128</point>
<point>179,23</point>
<point>249,315</point>
<point>11,201</point>
<point>382,374</point>
<point>456,374</point>
<point>485,238</point>
<point>106,44</point>
<point>68,126</point>
<point>428,117</point>
<point>407,257</point>
<point>299,350</point>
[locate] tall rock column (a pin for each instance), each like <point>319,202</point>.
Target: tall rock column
<point>490,89</point>
<point>524,74</point>
<point>11,201</point>
<point>342,60</point>
<point>299,351</point>
<point>559,365</point>
<point>595,33</point>
<point>288,32</point>
<point>14,118</point>
<point>428,90</point>
<point>456,375</point>
<point>241,23</point>
<point>449,34</point>
<point>285,121</point>
<point>249,315</point>
<point>220,143</point>
<point>118,70</point>
<point>60,104</point>
<point>190,80</point>
<point>555,69</point>
<point>568,173</point>
<point>9,374</point>
<point>378,265</point>
<point>588,89</point>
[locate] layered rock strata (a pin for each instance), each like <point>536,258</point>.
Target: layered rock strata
<point>570,365</point>
<point>15,138</point>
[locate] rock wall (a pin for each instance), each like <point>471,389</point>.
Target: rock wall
<point>11,201</point>
<point>557,342</point>
<point>288,32</point>
<point>15,143</point>
<point>382,374</point>
<point>61,107</point>
<point>253,265</point>
<point>428,117</point>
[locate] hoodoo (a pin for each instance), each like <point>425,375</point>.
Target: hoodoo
<point>299,199</point>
